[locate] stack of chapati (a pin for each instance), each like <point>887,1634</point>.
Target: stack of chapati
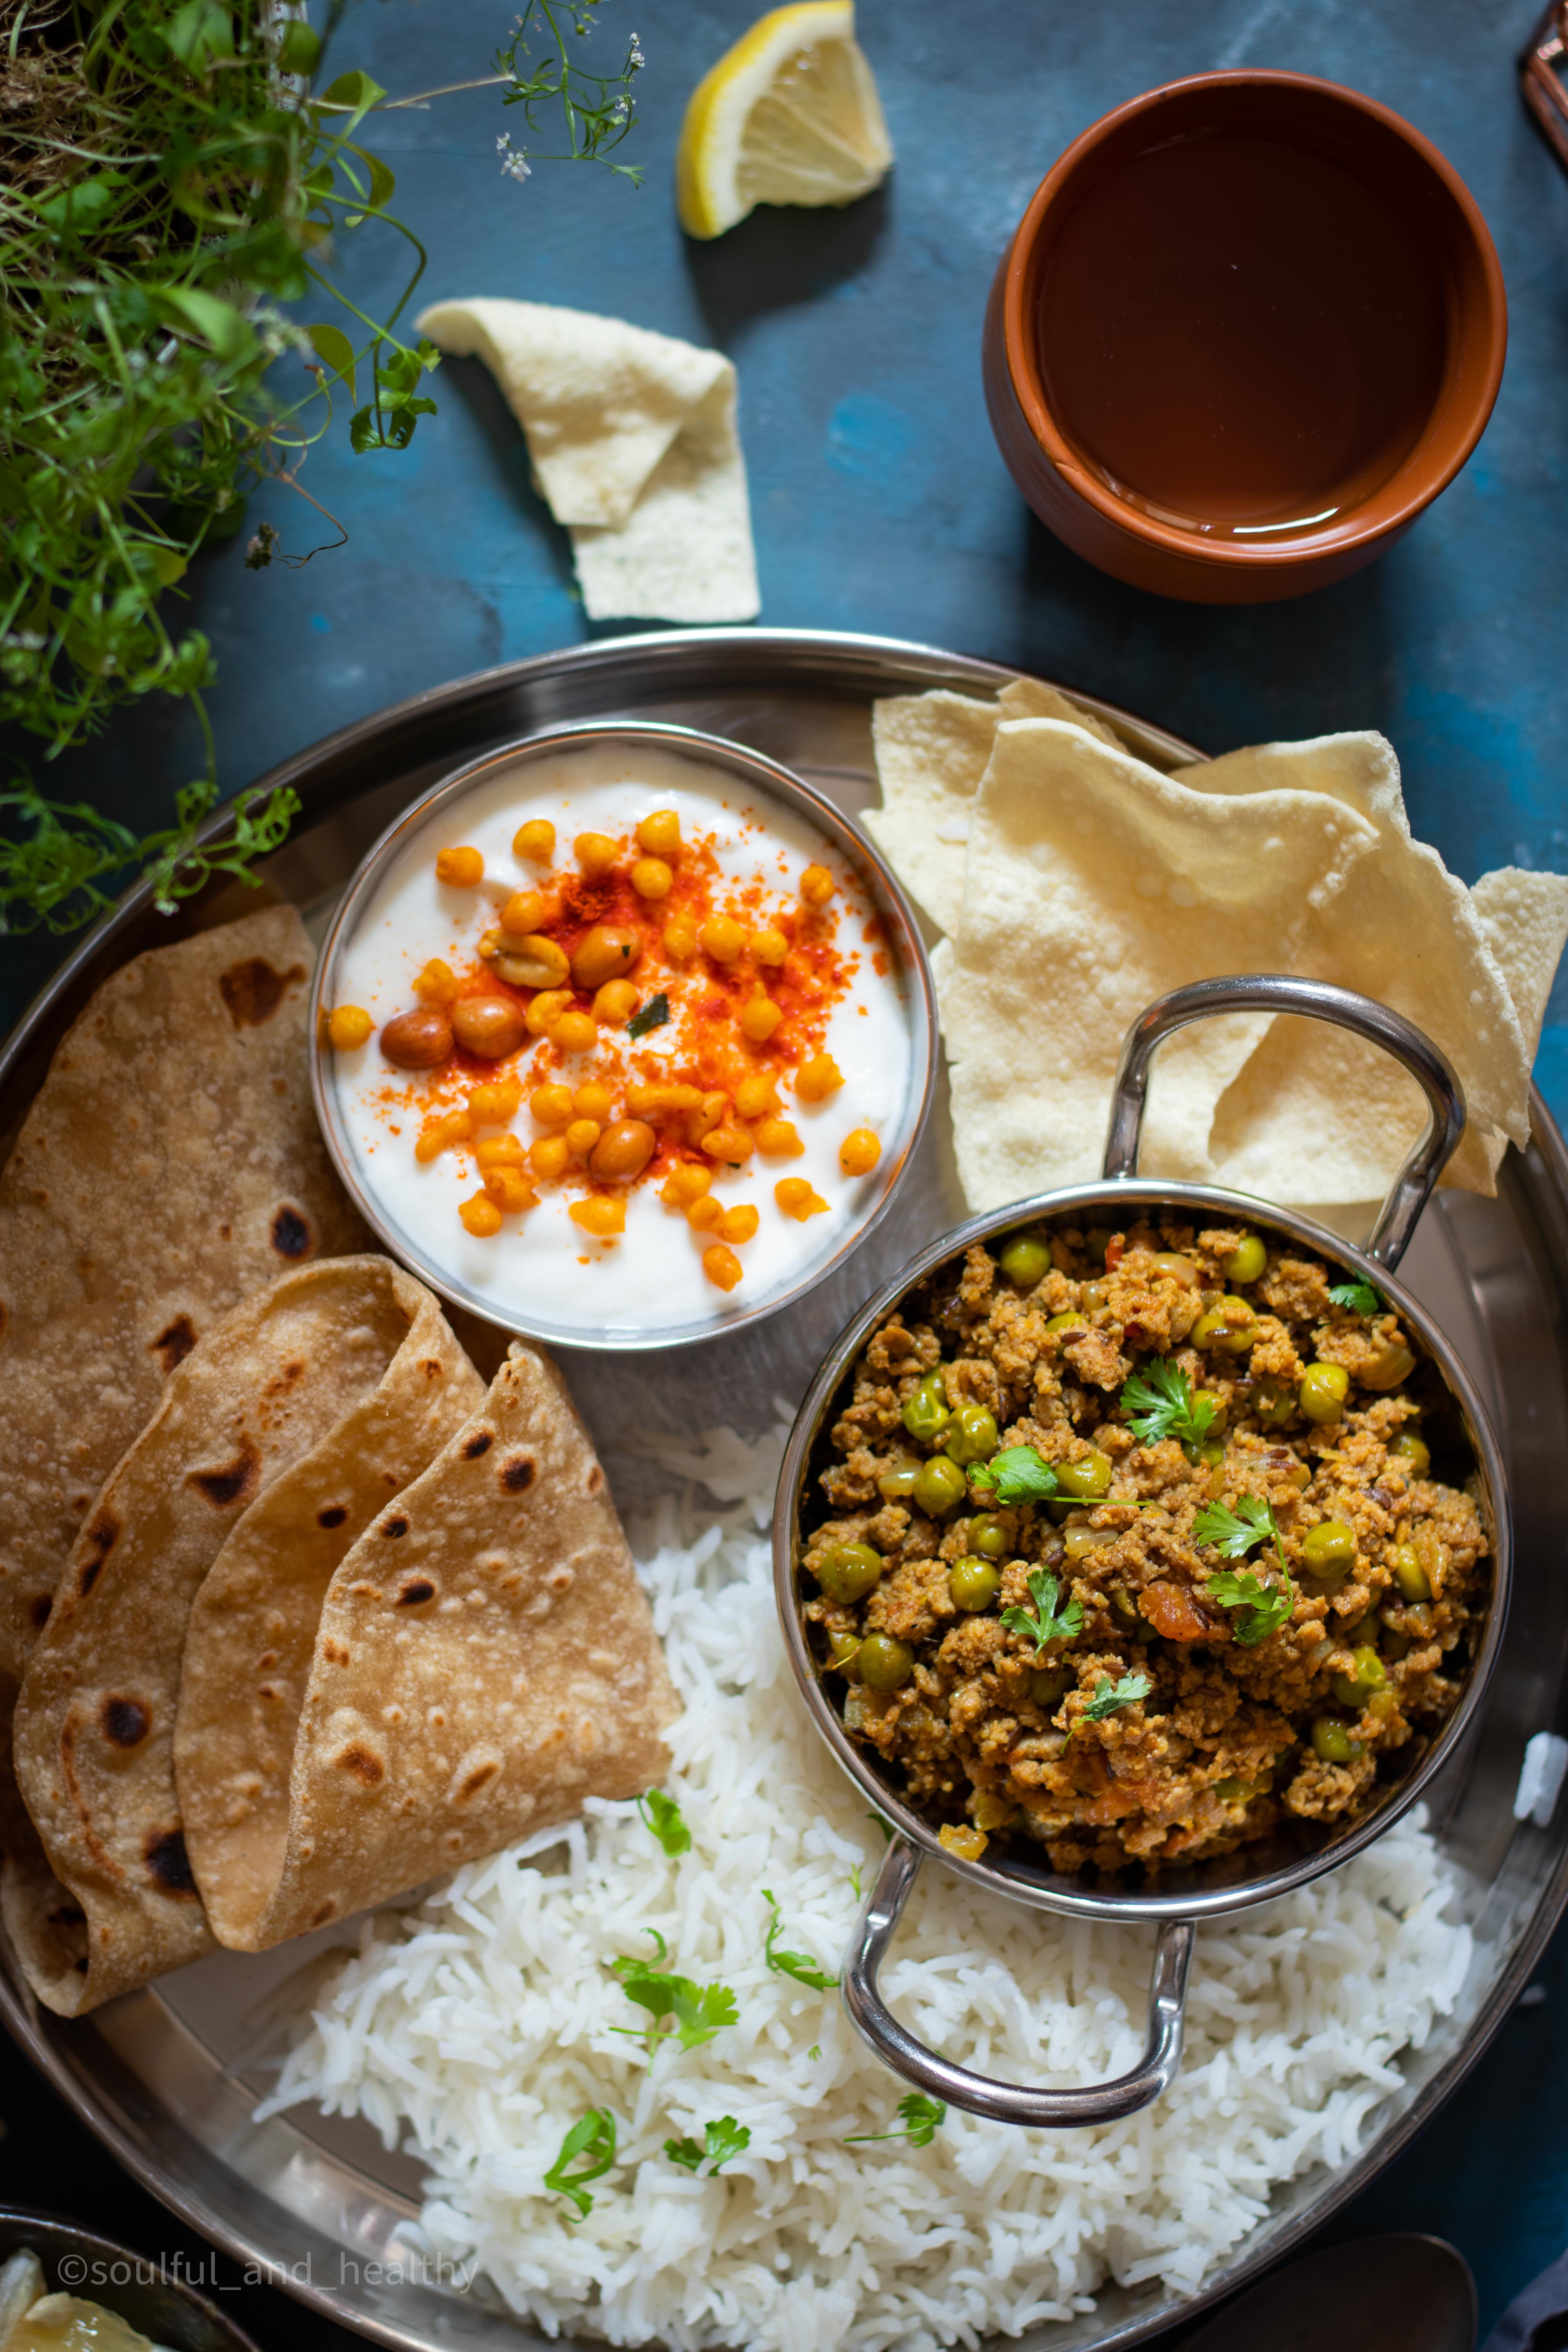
<point>335,1618</point>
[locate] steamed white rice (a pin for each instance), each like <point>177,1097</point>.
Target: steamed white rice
<point>476,2028</point>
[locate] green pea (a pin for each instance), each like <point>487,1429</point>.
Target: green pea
<point>1026,1261</point>
<point>1246,1260</point>
<point>1069,1319</point>
<point>898,1480</point>
<point>1234,1791</point>
<point>1086,1478</point>
<point>1408,1573</point>
<point>1411,1449</point>
<point>926,1414</point>
<point>1231,1327</point>
<point>1331,1740</point>
<point>1272,1401</point>
<point>849,1571</point>
<point>1211,1453</point>
<point>974,1583</point>
<point>1328,1551</point>
<point>1396,1644</point>
<point>1365,1676</point>
<point>842,1651</point>
<point>1123,1610</point>
<point>885,1665</point>
<point>972,1437</point>
<point>941,1486</point>
<point>1322,1391</point>
<point>989,1536</point>
<point>1049,1686</point>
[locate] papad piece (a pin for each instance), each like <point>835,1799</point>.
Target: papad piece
<point>1317,1115</point>
<point>95,1720</point>
<point>254,1626</point>
<point>170,1165</point>
<point>633,441</point>
<point>1524,919</point>
<point>485,1662</point>
<point>932,751</point>
<point>1093,886</point>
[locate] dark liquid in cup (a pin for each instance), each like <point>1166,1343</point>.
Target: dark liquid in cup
<point>1239,335</point>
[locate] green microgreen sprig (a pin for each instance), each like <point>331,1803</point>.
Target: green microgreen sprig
<point>598,110</point>
<point>177,172</point>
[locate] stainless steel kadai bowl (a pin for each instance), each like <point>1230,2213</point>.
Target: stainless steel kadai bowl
<point>1180,1899</point>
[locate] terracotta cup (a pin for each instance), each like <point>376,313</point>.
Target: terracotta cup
<point>1380,151</point>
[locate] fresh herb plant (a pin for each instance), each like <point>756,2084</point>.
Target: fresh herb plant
<point>921,2117</point>
<point>176,170</point>
<point>798,1965</point>
<point>664,1819</point>
<point>1045,1623</point>
<point>1160,1404</point>
<point>1359,1296</point>
<point>1109,1695</point>
<point>720,2140</point>
<point>597,108</point>
<point>699,2011</point>
<point>1236,1533</point>
<point>593,2136</point>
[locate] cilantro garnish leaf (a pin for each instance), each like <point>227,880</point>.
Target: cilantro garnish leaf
<point>1160,1404</point>
<point>593,2136</point>
<point>1109,1695</point>
<point>699,2011</point>
<point>663,1817</point>
<point>798,1965</point>
<point>1020,1475</point>
<point>1264,1607</point>
<point>1359,1296</point>
<point>921,2117</point>
<point>651,1015</point>
<point>1017,1474</point>
<point>1044,1624</point>
<point>1234,1533</point>
<point>720,2140</point>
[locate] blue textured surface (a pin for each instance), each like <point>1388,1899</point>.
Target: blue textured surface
<point>880,504</point>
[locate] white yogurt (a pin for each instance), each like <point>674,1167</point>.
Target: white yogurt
<point>541,1271</point>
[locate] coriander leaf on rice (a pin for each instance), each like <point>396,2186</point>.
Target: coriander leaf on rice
<point>1093,886</point>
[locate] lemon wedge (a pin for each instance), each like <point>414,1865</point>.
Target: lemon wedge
<point>789,116</point>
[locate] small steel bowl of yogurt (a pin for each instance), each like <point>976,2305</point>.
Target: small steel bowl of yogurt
<point>625,1036</point>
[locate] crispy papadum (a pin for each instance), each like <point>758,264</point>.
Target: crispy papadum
<point>170,1165</point>
<point>484,1661</point>
<point>115,1902</point>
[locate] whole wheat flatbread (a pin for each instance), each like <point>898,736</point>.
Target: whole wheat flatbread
<point>484,1661</point>
<point>170,1165</point>
<point>115,1902</point>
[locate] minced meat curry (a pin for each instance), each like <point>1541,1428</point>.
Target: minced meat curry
<point>1132,1545</point>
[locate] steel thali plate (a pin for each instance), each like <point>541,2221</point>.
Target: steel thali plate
<point>169,2077</point>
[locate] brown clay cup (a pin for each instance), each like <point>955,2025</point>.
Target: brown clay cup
<point>1376,147</point>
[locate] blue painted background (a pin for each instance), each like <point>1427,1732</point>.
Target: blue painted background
<point>880,503</point>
